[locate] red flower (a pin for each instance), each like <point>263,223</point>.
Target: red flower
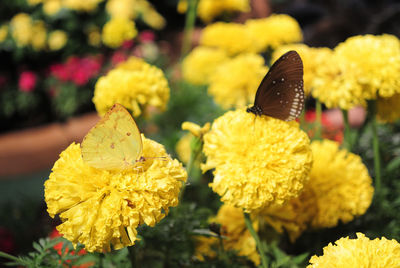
<point>118,57</point>
<point>59,246</point>
<point>7,244</point>
<point>27,81</point>
<point>59,71</point>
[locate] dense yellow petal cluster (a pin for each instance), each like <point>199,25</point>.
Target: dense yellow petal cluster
<point>135,84</point>
<point>273,31</point>
<point>339,189</point>
<point>361,68</point>
<point>341,184</point>
<point>259,161</point>
<point>359,252</point>
<point>57,40</point>
<point>132,9</point>
<point>313,58</point>
<point>200,63</point>
<point>209,9</point>
<point>235,81</point>
<point>234,38</point>
<point>21,29</point>
<point>388,108</point>
<point>238,238</point>
<point>101,208</point>
<point>294,216</point>
<point>118,30</point>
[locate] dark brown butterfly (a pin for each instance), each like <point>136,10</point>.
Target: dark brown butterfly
<point>281,93</point>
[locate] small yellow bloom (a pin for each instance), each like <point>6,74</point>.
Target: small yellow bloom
<point>39,35</point>
<point>21,29</point>
<point>238,238</point>
<point>150,16</point>
<point>51,7</point>
<point>313,58</point>
<point>234,38</point>
<point>118,30</point>
<point>183,149</point>
<point>3,32</point>
<point>121,9</point>
<point>209,9</point>
<point>388,108</point>
<point>195,129</point>
<point>135,84</point>
<point>234,82</point>
<point>101,208</point>
<point>359,252</point>
<point>274,31</point>
<point>57,40</point>
<point>201,63</point>
<point>93,36</point>
<point>259,161</point>
<point>79,5</point>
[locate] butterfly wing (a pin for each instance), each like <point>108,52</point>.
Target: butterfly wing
<point>114,142</point>
<point>281,93</point>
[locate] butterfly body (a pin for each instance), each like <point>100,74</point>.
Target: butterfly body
<point>114,142</point>
<point>281,93</point>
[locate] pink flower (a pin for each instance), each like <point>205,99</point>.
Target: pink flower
<point>118,57</point>
<point>27,81</point>
<point>147,36</point>
<point>128,44</point>
<point>59,71</point>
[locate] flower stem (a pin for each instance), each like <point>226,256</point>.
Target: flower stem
<point>189,26</point>
<point>375,145</point>
<point>195,149</point>
<point>318,120</point>
<point>347,137</point>
<point>260,247</point>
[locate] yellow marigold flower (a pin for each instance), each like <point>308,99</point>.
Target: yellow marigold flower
<point>359,252</point>
<point>195,129</point>
<point>341,184</point>
<point>313,58</point>
<point>259,161</point>
<point>102,209</point>
<point>21,29</point>
<point>274,31</point>
<point>39,35</point>
<point>200,63</point>
<point>183,149</point>
<point>3,32</point>
<point>57,40</point>
<point>135,84</point>
<point>294,216</point>
<point>182,6</point>
<point>118,30</point>
<point>51,7</point>
<point>209,9</point>
<point>234,82</point>
<point>361,68</point>
<point>388,110</point>
<point>234,38</point>
<point>93,36</point>
<point>375,61</point>
<point>121,8</point>
<point>79,5</point>
<point>238,238</point>
<point>149,15</point>
<point>339,188</point>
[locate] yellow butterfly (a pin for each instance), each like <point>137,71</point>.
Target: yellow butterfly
<point>114,142</point>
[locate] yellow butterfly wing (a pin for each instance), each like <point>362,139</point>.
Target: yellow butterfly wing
<point>114,142</point>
